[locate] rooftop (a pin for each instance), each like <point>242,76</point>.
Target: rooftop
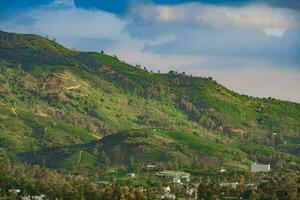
<point>172,173</point>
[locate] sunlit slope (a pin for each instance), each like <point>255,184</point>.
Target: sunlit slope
<point>53,97</point>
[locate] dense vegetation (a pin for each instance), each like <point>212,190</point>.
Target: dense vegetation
<point>56,99</point>
<point>66,109</point>
<point>35,180</point>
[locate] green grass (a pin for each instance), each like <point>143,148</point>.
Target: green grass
<point>195,118</point>
<point>75,160</point>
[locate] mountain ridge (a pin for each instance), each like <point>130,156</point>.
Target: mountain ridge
<point>53,97</point>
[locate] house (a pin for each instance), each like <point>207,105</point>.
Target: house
<point>222,169</point>
<point>25,198</point>
<point>16,191</point>
<point>175,176</point>
<point>186,178</point>
<point>229,184</point>
<point>132,175</point>
<point>251,186</point>
<point>112,172</point>
<point>40,197</point>
<point>167,189</point>
<point>167,194</point>
<point>104,183</point>
<point>150,166</point>
<point>256,167</point>
<point>190,192</point>
<point>79,178</point>
<point>37,198</point>
<point>176,180</point>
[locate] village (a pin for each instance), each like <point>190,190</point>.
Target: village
<point>170,184</point>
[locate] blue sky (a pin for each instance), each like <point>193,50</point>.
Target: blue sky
<point>252,47</point>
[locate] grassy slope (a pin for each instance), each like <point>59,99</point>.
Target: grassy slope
<point>51,96</point>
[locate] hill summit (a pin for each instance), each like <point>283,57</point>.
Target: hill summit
<point>63,108</point>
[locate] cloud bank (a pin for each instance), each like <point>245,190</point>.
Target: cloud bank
<point>269,20</point>
<point>253,48</point>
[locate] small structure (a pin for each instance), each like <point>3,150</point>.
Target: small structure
<point>222,169</point>
<point>103,183</point>
<point>176,180</point>
<point>40,197</point>
<point>167,189</point>
<point>229,185</point>
<point>175,176</point>
<point>25,198</point>
<point>186,178</point>
<point>112,172</point>
<point>150,166</point>
<point>256,167</point>
<point>79,178</point>
<point>190,192</point>
<point>167,194</point>
<point>132,175</point>
<point>251,186</point>
<point>15,191</point>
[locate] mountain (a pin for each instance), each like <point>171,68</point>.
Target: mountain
<point>64,108</point>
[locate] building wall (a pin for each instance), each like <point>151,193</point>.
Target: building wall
<point>259,167</point>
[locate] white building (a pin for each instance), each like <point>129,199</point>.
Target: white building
<point>190,192</point>
<point>256,167</point>
<point>16,191</point>
<point>167,194</point>
<point>230,184</point>
<point>40,197</point>
<point>222,169</point>
<point>167,189</point>
<point>150,166</point>
<point>132,175</point>
<point>186,178</point>
<point>176,180</point>
<point>25,198</point>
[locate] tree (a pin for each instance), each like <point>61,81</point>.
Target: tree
<point>288,188</point>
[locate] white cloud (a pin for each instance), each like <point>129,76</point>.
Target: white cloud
<point>167,14</point>
<point>277,32</point>
<point>272,21</point>
<point>159,13</point>
<point>131,50</point>
<point>65,22</point>
<point>161,40</point>
<point>64,3</point>
<point>220,41</point>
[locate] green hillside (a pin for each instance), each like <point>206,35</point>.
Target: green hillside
<point>65,108</point>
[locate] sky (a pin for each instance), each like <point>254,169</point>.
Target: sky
<point>251,47</point>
